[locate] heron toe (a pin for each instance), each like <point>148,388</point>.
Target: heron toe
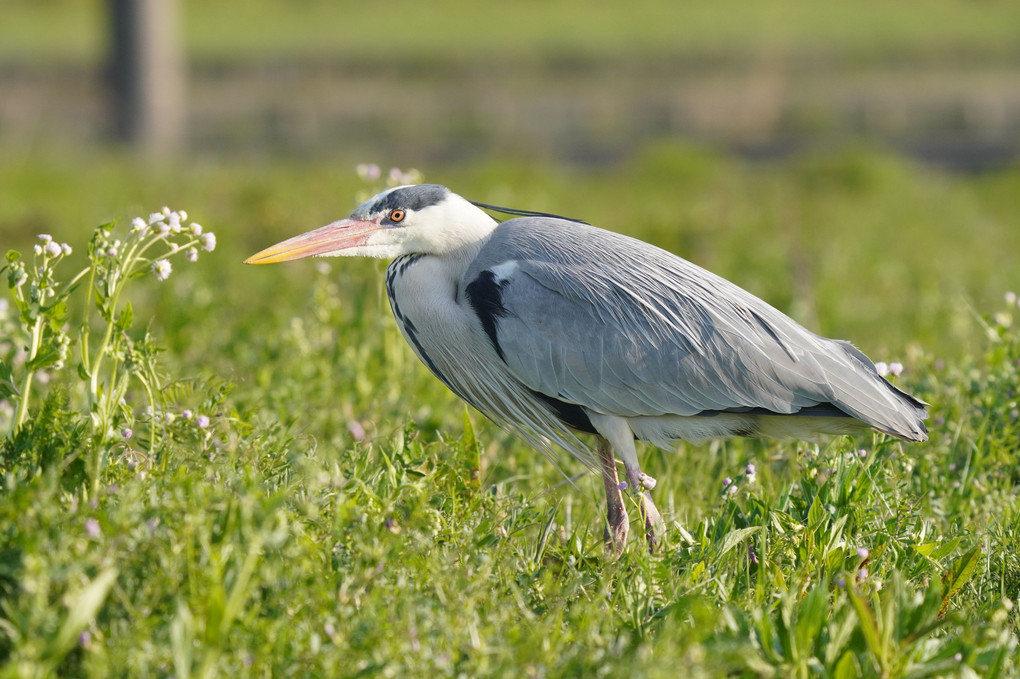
<point>654,526</point>
<point>615,533</point>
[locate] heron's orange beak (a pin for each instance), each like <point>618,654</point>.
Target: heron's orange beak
<point>346,233</point>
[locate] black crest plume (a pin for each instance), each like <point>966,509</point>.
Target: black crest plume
<point>524,213</point>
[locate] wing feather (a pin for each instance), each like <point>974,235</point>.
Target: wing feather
<point>618,326</point>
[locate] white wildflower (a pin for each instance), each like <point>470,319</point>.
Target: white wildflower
<point>155,217</point>
<point>138,225</point>
<point>196,229</point>
<point>1010,298</point>
<point>174,220</point>
<point>183,215</point>
<point>163,229</point>
<point>162,269</point>
<point>882,368</point>
<point>895,368</point>
<point>174,248</point>
<point>202,421</point>
<point>45,238</point>
<point>208,241</point>
<point>37,249</point>
<point>165,211</point>
<point>52,248</point>
<point>65,248</point>
<point>192,255</point>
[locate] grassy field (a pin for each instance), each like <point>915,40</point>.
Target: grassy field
<point>299,497</point>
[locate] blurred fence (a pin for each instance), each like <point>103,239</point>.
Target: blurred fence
<point>575,108</point>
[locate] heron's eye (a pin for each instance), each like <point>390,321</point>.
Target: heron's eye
<point>397,216</point>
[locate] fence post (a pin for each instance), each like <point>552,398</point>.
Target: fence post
<point>146,73</point>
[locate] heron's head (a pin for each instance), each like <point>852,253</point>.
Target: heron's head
<point>422,219</point>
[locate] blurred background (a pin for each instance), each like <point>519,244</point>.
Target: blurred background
<point>564,81</point>
<point>855,164</point>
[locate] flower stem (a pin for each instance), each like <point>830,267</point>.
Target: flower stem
<point>26,387</point>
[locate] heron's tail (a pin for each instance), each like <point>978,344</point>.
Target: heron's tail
<point>895,412</point>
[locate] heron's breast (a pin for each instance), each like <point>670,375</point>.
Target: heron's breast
<point>434,320</point>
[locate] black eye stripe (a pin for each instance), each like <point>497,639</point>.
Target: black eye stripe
<point>412,198</point>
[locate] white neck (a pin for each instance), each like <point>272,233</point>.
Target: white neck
<point>457,226</point>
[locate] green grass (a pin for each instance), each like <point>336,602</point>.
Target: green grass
<point>454,30</point>
<point>275,543</point>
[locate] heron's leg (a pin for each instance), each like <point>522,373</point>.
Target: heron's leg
<point>616,430</point>
<point>615,533</point>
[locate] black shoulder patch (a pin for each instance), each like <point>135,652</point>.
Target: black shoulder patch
<point>569,414</point>
<point>485,296</point>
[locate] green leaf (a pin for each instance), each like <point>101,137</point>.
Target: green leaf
<point>811,615</point>
<point>868,624</point>
<point>958,575</point>
<point>126,318</point>
<point>735,537</point>
<point>46,357</point>
<point>82,610</point>
<point>846,668</point>
<point>816,514</point>
<point>57,313</point>
<point>947,547</point>
<point>182,636</point>
<point>6,380</point>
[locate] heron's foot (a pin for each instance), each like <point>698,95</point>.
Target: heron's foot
<point>642,483</point>
<point>654,526</point>
<point>615,533</point>
<point>617,521</point>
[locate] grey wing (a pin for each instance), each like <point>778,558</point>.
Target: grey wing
<point>620,327</point>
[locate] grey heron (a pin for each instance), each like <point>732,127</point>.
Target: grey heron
<point>554,328</point>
